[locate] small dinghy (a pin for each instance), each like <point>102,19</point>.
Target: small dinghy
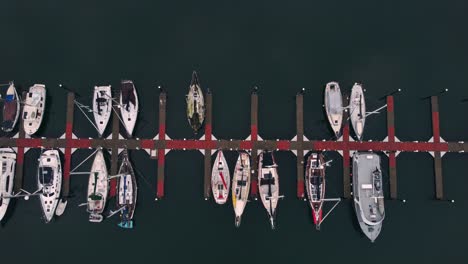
<point>126,192</point>
<point>220,179</point>
<point>98,187</point>
<point>49,180</point>
<point>334,107</point>
<point>315,186</point>
<point>195,104</point>
<point>11,109</point>
<point>102,107</point>
<point>268,184</point>
<point>128,106</point>
<point>241,185</point>
<point>33,110</point>
<point>357,110</point>
<point>7,176</point>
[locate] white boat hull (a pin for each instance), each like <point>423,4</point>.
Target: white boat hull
<point>129,111</point>
<point>334,107</point>
<point>7,176</point>
<point>220,179</point>
<point>49,179</point>
<point>357,109</point>
<point>98,188</point>
<point>268,186</point>
<point>102,107</point>
<point>33,110</point>
<point>241,185</point>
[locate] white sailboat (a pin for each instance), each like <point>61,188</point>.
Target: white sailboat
<point>33,110</point>
<point>220,179</point>
<point>128,106</point>
<point>126,192</point>
<point>102,107</point>
<point>357,110</point>
<point>241,186</point>
<point>268,184</point>
<point>7,176</point>
<point>11,109</point>
<point>334,107</point>
<point>49,180</point>
<point>98,188</point>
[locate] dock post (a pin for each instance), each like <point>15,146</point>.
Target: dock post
<point>300,141</point>
<point>207,160</point>
<point>20,155</point>
<point>254,138</point>
<point>68,138</point>
<point>162,138</point>
<point>115,151</point>
<point>391,154</point>
<point>437,155</point>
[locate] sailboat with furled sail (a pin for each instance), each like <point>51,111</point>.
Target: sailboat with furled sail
<point>241,185</point>
<point>357,109</point>
<point>102,107</point>
<point>126,191</point>
<point>220,179</point>
<point>98,188</point>
<point>268,181</point>
<point>11,109</point>
<point>7,176</point>
<point>195,104</point>
<point>128,106</point>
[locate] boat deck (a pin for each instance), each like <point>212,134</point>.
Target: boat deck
<point>161,144</point>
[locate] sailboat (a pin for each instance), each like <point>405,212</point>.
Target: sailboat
<point>268,184</point>
<point>7,176</point>
<point>128,106</point>
<point>195,104</point>
<point>315,185</point>
<point>49,180</point>
<point>126,192</point>
<point>241,186</point>
<point>98,188</point>
<point>357,110</point>
<point>33,110</point>
<point>220,179</point>
<point>334,107</point>
<point>102,107</point>
<point>11,109</point>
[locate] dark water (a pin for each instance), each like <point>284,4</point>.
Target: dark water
<point>419,47</point>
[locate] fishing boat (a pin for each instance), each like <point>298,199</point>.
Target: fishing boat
<point>98,188</point>
<point>269,184</point>
<point>334,107</point>
<point>357,109</point>
<point>7,176</point>
<point>102,107</point>
<point>33,110</point>
<point>315,186</point>
<point>11,109</point>
<point>128,106</point>
<point>220,179</point>
<point>241,186</point>
<point>126,192</point>
<point>195,104</point>
<point>49,180</point>
<point>368,193</point>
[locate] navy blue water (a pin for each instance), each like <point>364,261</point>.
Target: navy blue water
<point>281,47</point>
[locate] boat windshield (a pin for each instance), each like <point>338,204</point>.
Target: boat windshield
<point>46,175</point>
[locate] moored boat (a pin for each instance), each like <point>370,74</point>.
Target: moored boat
<point>126,192</point>
<point>334,107</point>
<point>368,193</point>
<point>49,180</point>
<point>220,179</point>
<point>98,188</point>
<point>128,106</point>
<point>33,110</point>
<point>315,186</point>
<point>195,104</point>
<point>357,110</point>
<point>11,109</point>
<point>241,186</point>
<point>102,107</point>
<point>268,184</point>
<point>7,176</point>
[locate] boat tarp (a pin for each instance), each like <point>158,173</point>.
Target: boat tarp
<point>127,95</point>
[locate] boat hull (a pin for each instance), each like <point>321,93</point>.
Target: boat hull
<point>49,179</point>
<point>334,107</point>
<point>241,186</point>
<point>126,192</point>
<point>268,184</point>
<point>11,109</point>
<point>98,188</point>
<point>102,107</point>
<point>357,109</point>
<point>129,106</point>
<point>315,185</point>
<point>7,176</point>
<point>33,110</point>
<point>195,104</point>
<point>220,179</point>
